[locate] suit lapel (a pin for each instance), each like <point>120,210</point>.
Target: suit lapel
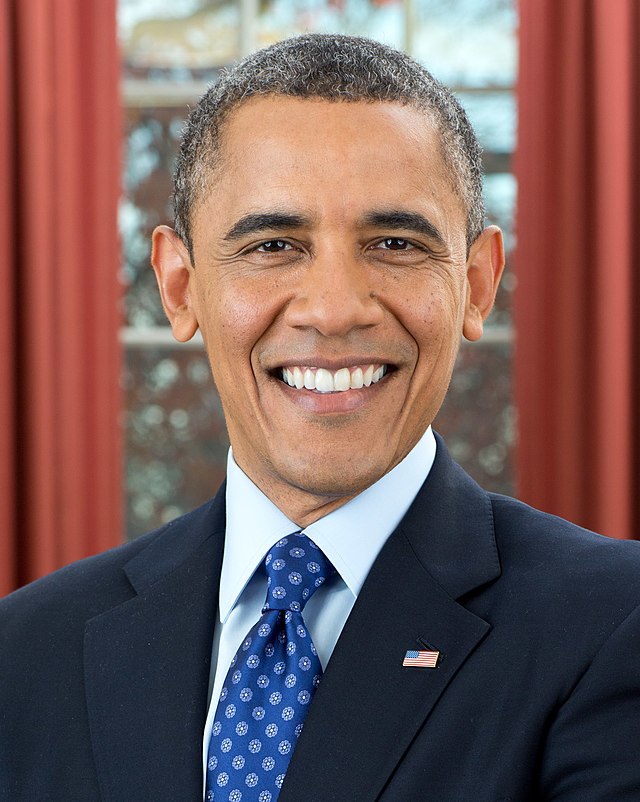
<point>147,665</point>
<point>369,707</point>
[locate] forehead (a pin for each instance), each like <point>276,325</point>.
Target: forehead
<point>279,120</point>
<point>335,156</point>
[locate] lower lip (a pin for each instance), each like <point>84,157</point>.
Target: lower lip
<point>330,403</point>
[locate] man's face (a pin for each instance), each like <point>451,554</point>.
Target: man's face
<point>331,287</point>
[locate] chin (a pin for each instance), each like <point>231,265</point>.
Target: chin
<point>334,478</point>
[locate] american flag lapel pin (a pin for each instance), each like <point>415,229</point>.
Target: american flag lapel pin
<point>422,658</point>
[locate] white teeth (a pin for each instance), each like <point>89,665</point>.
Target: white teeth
<point>356,379</point>
<point>324,381</point>
<point>298,378</point>
<point>309,380</point>
<point>368,376</point>
<point>341,379</point>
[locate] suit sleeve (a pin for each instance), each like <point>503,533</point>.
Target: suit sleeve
<point>592,753</point>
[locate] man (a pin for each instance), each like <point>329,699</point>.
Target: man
<point>330,247</point>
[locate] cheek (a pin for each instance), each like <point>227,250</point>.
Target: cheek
<point>432,316</point>
<point>235,318</point>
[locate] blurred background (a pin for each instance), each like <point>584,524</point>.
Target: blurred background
<point>113,428</point>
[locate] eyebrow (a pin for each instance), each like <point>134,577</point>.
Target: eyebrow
<point>409,221</point>
<point>253,223</point>
<point>394,219</point>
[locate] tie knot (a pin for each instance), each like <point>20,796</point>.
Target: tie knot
<point>296,567</point>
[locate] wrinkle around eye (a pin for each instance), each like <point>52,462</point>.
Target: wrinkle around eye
<point>398,250</point>
<point>273,252</point>
<point>273,248</point>
<point>411,252</point>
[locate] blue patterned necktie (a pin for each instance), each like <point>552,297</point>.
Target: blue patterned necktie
<point>271,681</point>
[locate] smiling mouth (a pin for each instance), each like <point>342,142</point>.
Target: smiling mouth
<point>320,380</point>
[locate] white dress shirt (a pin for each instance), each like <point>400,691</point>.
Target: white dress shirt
<point>351,537</point>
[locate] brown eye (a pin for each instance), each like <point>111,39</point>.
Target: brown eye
<point>395,244</point>
<point>274,246</point>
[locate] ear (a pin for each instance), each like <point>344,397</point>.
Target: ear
<point>484,269</point>
<point>173,269</point>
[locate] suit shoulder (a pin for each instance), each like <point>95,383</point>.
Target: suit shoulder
<point>43,626</point>
<point>557,560</point>
<point>529,527</point>
<point>86,587</point>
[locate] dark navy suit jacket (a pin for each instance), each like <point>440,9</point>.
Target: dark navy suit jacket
<point>104,666</point>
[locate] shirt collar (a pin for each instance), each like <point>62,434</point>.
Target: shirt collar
<point>351,536</point>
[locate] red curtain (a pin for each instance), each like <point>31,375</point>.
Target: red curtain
<point>577,364</point>
<point>60,458</point>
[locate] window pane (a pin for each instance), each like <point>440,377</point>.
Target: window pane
<point>467,42</point>
<point>477,419</point>
<point>493,116</point>
<point>152,138</point>
<point>500,197</point>
<point>177,41</point>
<point>176,436</point>
<point>383,20</point>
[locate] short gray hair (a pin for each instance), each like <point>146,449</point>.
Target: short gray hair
<point>335,68</point>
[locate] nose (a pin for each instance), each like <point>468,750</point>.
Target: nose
<point>335,295</point>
